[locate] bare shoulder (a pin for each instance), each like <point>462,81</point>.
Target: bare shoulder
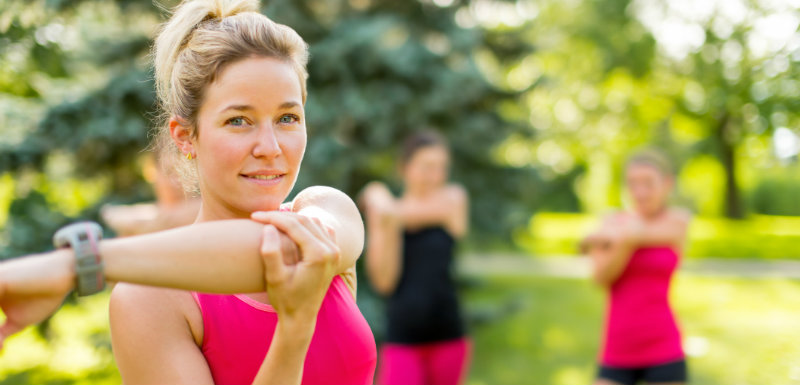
<point>137,308</point>
<point>127,294</point>
<point>455,190</point>
<point>454,194</point>
<point>152,336</point>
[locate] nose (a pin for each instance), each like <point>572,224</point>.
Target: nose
<point>266,145</point>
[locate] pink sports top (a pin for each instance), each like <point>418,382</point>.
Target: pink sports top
<point>640,328</point>
<point>237,332</point>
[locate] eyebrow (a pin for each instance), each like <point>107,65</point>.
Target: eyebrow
<point>246,107</point>
<point>288,105</point>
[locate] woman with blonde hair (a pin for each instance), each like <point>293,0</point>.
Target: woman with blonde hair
<point>232,86</point>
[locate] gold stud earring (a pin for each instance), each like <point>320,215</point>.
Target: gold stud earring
<point>188,156</point>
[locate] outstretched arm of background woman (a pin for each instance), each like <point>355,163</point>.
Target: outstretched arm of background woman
<point>220,257</point>
<point>383,261</point>
<point>448,207</point>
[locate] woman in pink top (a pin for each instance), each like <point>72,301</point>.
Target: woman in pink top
<point>635,255</point>
<point>232,86</point>
<point>232,83</point>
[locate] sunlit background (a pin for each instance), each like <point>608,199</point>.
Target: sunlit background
<point>542,100</point>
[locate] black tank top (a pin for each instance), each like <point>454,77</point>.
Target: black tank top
<point>424,306</point>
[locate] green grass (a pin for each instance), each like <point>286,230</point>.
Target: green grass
<point>75,350</point>
<point>738,331</point>
<point>537,331</point>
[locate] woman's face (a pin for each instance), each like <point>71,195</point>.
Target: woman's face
<point>648,187</point>
<point>251,138</point>
<point>427,169</point>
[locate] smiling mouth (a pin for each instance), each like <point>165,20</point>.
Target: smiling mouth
<point>264,177</point>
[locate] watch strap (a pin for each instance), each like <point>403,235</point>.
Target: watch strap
<point>83,238</point>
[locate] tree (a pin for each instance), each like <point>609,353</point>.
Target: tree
<point>379,70</point>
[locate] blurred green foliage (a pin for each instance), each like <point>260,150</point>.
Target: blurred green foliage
<point>542,101</point>
<point>761,236</point>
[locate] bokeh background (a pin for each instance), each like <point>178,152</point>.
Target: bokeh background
<point>541,100</point>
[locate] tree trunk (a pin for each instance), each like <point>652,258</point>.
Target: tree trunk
<point>733,199</point>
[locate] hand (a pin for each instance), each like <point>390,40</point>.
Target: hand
<point>296,290</point>
<point>379,202</point>
<point>288,249</point>
<point>631,229</point>
<point>32,288</point>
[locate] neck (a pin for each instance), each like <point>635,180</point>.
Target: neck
<point>653,215</point>
<point>416,192</point>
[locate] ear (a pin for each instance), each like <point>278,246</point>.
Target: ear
<point>181,134</point>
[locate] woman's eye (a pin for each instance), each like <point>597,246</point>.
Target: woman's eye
<point>237,121</point>
<point>288,119</point>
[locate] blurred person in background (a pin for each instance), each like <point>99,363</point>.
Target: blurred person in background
<point>409,259</point>
<point>173,207</point>
<point>634,255</point>
<point>232,86</point>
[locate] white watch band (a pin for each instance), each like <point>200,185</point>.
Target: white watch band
<point>83,238</point>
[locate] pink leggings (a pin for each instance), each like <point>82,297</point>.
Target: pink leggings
<point>437,363</point>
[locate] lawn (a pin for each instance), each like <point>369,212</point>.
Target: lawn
<point>737,331</point>
<point>526,331</point>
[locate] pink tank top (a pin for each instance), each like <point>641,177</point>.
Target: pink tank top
<point>641,330</point>
<point>237,332</point>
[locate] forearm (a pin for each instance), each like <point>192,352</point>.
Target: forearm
<point>447,208</point>
<point>283,364</point>
<point>219,257</point>
<point>383,255</point>
<point>608,265</point>
<point>661,234</point>
<point>52,272</point>
<point>423,214</point>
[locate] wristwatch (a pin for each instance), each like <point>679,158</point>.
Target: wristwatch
<point>83,238</point>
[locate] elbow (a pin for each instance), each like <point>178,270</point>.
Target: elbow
<point>383,287</point>
<point>383,283</point>
<point>602,279</point>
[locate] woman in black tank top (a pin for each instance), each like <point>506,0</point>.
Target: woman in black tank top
<point>409,261</point>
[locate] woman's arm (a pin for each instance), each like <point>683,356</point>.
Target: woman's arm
<point>667,230</point>
<point>609,261</point>
<point>220,257</point>
<point>337,212</point>
<point>384,243</point>
<point>296,293</point>
<point>448,207</point>
<point>610,249</point>
<point>156,331</point>
<point>155,335</point>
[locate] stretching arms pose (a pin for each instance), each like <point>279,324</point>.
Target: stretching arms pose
<point>232,86</point>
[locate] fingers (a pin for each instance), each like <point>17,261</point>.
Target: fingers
<point>289,250</point>
<point>314,241</point>
<point>8,329</point>
<point>271,254</point>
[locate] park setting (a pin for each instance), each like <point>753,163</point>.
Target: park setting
<point>541,103</point>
